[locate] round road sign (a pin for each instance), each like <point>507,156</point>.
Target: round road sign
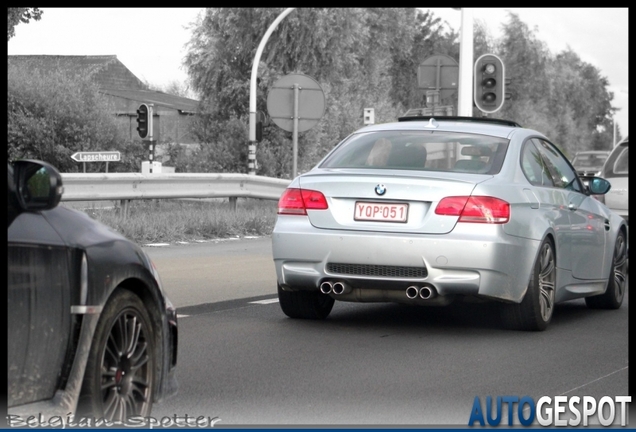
<point>311,102</point>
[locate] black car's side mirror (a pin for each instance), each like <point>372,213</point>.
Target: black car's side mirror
<point>38,185</point>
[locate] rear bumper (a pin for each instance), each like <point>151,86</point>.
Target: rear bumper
<point>474,259</point>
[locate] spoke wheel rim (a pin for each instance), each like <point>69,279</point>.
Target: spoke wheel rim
<point>547,278</point>
<point>619,268</point>
<point>126,371</point>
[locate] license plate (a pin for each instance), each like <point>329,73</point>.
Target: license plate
<point>368,211</point>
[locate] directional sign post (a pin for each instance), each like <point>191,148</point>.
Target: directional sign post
<point>439,75</point>
<point>97,156</point>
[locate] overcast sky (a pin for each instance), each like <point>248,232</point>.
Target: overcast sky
<point>598,35</point>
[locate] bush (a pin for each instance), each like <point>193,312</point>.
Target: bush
<point>51,115</point>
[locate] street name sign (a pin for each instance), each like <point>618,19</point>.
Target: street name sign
<point>98,156</point>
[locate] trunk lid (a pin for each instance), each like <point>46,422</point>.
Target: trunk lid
<point>416,193</point>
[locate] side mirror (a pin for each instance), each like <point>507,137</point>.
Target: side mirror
<point>598,186</point>
<point>38,184</point>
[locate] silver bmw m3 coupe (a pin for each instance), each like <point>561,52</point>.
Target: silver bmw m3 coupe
<point>427,211</point>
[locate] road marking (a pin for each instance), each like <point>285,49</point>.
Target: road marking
<point>597,379</point>
<point>267,301</point>
<point>216,240</point>
<point>260,302</point>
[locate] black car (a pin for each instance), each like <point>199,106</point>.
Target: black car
<point>90,329</point>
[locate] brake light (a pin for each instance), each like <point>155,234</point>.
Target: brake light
<point>475,209</point>
<point>296,201</point>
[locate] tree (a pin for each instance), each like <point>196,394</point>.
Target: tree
<point>526,59</point>
<point>53,114</point>
<point>20,15</point>
<point>579,94</point>
<point>429,38</point>
<point>362,57</point>
<point>175,88</point>
<point>561,96</point>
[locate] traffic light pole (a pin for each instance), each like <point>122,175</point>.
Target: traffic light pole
<point>465,94</point>
<point>151,142</point>
<point>145,127</point>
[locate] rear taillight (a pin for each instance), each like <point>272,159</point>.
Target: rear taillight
<point>297,201</point>
<point>476,209</point>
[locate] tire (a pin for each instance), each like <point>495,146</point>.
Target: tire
<point>534,313</point>
<point>120,371</point>
<point>305,304</point>
<point>612,298</point>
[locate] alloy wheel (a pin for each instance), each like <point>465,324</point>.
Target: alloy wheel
<point>126,372</point>
<point>620,267</point>
<point>547,278</point>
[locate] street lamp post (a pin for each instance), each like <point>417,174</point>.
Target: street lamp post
<point>257,59</point>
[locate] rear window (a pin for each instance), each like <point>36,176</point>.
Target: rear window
<point>589,160</point>
<point>420,150</point>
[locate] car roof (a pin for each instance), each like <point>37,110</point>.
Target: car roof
<point>494,127</point>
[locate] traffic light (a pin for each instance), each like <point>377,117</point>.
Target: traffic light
<point>489,84</point>
<point>143,116</point>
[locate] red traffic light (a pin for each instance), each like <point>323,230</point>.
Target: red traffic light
<point>489,68</point>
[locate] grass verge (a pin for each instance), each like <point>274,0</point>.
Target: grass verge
<point>157,221</point>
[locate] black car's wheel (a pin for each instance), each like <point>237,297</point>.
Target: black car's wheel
<point>120,372</point>
<point>535,310</point>
<point>305,304</point>
<point>613,296</point>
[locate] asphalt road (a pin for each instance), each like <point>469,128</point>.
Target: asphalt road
<point>244,362</point>
<point>214,271</point>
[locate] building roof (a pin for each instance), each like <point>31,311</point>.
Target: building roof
<point>112,77</point>
<point>182,104</point>
<point>108,72</point>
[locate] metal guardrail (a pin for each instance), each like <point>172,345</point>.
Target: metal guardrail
<point>131,186</point>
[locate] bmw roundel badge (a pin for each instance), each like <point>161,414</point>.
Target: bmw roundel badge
<point>380,189</point>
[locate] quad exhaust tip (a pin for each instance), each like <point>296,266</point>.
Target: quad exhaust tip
<point>412,292</point>
<point>337,288</point>
<point>340,288</point>
<point>326,287</point>
<point>425,292</point>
